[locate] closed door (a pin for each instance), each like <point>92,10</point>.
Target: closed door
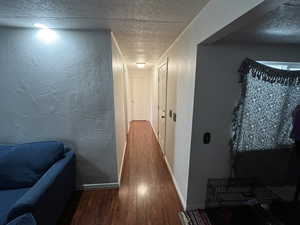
<point>138,98</point>
<point>162,105</point>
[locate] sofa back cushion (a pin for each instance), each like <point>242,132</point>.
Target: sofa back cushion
<point>6,147</point>
<point>22,165</point>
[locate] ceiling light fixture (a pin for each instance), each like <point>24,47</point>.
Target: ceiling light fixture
<point>45,34</point>
<point>41,26</point>
<point>141,65</point>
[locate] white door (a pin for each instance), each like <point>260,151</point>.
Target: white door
<point>162,105</point>
<point>138,98</point>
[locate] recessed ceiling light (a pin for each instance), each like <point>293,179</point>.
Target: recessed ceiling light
<point>140,65</point>
<point>41,26</point>
<point>45,34</point>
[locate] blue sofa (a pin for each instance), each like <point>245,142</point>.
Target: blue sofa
<point>42,202</point>
<point>25,219</point>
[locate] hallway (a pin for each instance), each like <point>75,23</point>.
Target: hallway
<point>147,195</point>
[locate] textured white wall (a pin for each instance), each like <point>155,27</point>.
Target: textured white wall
<point>182,56</point>
<point>64,91</point>
<point>120,101</point>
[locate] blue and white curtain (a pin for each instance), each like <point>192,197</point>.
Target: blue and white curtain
<point>263,117</point>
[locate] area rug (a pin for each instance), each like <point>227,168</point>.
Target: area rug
<point>194,217</point>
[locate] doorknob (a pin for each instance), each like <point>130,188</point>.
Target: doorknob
<point>163,117</point>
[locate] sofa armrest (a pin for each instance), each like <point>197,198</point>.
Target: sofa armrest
<point>50,189</point>
<point>26,219</point>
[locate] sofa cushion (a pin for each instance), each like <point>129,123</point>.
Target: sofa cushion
<point>24,164</point>
<point>7,199</point>
<point>6,147</point>
<point>26,219</point>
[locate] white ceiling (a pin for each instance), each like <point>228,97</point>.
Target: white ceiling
<point>143,28</point>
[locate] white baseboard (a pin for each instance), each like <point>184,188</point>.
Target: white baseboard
<point>156,136</point>
<point>106,185</point>
<point>122,163</point>
<point>154,130</point>
<point>98,186</point>
<point>183,202</point>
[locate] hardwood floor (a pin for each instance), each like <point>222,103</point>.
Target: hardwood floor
<point>147,195</point>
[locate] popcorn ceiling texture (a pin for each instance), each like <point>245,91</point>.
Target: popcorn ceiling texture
<point>280,26</point>
<point>144,28</point>
<point>63,91</point>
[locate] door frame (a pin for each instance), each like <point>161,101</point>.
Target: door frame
<point>165,63</point>
<point>125,77</point>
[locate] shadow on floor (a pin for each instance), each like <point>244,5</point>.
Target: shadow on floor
<point>70,210</point>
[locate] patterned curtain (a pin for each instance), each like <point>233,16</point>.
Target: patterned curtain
<point>263,117</point>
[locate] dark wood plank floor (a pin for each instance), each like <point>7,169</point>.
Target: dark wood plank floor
<point>147,195</point>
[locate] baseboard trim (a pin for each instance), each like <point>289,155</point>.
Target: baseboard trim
<point>156,136</point>
<point>122,164</point>
<point>183,202</point>
<point>154,130</point>
<point>98,186</point>
<point>171,173</point>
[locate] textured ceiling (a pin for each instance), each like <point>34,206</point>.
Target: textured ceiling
<point>280,26</point>
<point>143,28</point>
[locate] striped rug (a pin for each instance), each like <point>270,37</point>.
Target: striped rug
<point>194,217</point>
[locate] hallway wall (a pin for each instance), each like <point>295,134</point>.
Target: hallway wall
<point>182,66</point>
<point>120,77</point>
<point>171,105</point>
<point>61,90</point>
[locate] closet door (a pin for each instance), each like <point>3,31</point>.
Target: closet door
<point>162,105</point>
<point>139,99</point>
